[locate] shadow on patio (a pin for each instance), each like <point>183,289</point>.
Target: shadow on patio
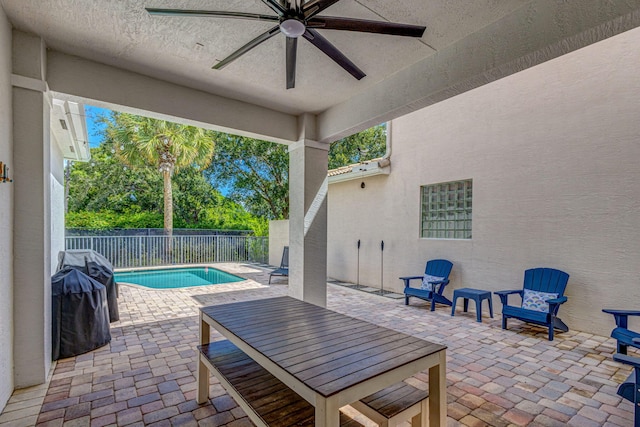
<point>146,375</point>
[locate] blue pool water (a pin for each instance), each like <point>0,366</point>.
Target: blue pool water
<point>172,278</point>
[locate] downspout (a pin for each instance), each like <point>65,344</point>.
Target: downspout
<point>386,159</point>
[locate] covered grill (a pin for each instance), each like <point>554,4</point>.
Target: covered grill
<point>80,314</point>
<point>96,266</point>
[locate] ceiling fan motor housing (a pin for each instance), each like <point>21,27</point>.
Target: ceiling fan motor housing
<point>292,27</point>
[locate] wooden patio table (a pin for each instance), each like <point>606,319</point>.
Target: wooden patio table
<point>328,358</point>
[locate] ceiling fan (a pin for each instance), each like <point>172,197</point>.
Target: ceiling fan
<point>297,18</point>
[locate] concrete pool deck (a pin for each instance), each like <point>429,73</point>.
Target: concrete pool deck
<point>146,375</point>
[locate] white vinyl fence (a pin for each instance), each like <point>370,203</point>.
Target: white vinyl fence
<point>146,251</point>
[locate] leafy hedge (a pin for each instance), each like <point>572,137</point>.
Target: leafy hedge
<point>212,219</point>
<point>106,220</point>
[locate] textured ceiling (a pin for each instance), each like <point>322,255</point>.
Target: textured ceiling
<point>182,50</point>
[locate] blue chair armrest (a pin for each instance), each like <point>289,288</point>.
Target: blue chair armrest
<point>636,341</point>
<point>557,301</point>
<point>622,316</point>
<point>407,279</point>
<point>622,312</point>
<point>439,282</point>
<point>554,304</point>
<point>513,291</point>
<point>438,285</point>
<point>504,295</point>
<point>627,360</point>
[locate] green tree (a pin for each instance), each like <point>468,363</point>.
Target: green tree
<point>255,173</point>
<point>366,145</point>
<point>193,195</point>
<point>105,194</point>
<point>140,142</point>
<point>104,183</point>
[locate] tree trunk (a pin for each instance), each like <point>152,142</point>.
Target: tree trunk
<point>168,215</point>
<point>168,203</point>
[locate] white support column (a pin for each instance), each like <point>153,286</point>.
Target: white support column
<point>308,184</point>
<point>32,205</point>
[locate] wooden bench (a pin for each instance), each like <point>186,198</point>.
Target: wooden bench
<point>266,400</point>
<point>396,404</point>
<point>269,402</point>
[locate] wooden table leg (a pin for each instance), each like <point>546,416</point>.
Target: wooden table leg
<point>327,412</point>
<point>203,371</point>
<point>438,392</point>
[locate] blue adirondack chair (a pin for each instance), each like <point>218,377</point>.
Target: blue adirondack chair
<point>630,389</point>
<point>283,270</point>
<point>533,310</point>
<point>436,268</point>
<point>621,333</point>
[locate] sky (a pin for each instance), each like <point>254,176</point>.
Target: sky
<point>94,128</point>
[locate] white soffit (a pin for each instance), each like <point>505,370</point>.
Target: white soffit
<point>69,129</point>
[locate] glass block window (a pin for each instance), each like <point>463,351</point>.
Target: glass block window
<point>446,210</point>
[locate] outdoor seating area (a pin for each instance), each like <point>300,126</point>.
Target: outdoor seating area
<point>624,336</point>
<point>542,294</point>
<point>434,280</point>
<point>495,139</point>
<point>147,374</point>
<point>630,388</point>
<point>283,270</point>
<point>320,358</point>
<point>477,295</point>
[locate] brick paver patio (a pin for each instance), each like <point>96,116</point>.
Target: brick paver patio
<point>146,375</point>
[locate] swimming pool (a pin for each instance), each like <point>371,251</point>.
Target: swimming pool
<point>172,278</point>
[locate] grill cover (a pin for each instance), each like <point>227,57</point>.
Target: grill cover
<point>97,267</point>
<point>80,314</point>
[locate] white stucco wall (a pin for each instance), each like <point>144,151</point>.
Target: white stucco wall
<point>553,153</point>
<point>6,217</point>
<point>278,239</point>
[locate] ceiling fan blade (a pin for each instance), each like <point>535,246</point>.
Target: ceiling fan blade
<point>210,14</point>
<point>247,47</point>
<point>366,26</point>
<point>276,6</point>
<point>332,52</point>
<point>313,7</point>
<point>292,48</point>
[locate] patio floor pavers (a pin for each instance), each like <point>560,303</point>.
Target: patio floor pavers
<point>146,375</point>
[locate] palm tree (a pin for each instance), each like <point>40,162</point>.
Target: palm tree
<point>143,141</point>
